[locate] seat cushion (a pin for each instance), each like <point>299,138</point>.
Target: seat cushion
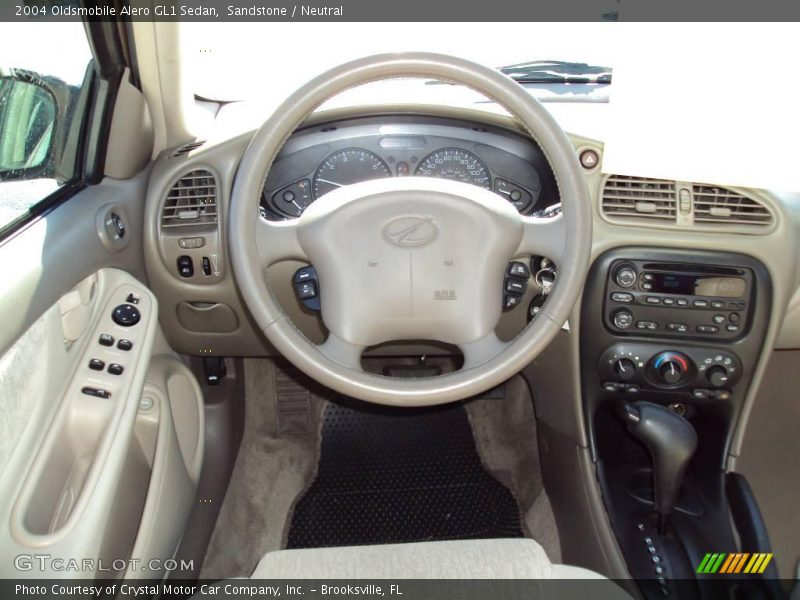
<point>517,558</point>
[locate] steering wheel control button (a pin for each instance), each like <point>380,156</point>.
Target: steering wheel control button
<point>623,319</point>
<point>126,315</point>
<point>125,345</point>
<point>625,276</point>
<point>511,301</point>
<point>185,266</point>
<point>115,369</point>
<point>306,287</point>
<point>106,339</point>
<point>518,269</point>
<point>96,392</point>
<point>515,286</point>
<point>622,297</point>
<point>96,364</point>
<point>589,159</point>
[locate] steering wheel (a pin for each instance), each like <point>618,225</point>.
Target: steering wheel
<point>411,257</point>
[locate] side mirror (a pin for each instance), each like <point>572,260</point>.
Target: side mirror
<point>32,111</point>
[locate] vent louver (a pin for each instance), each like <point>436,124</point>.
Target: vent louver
<point>186,148</point>
<point>192,200</point>
<point>722,206</point>
<point>628,197</point>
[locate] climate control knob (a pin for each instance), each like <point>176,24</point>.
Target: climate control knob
<point>625,368</point>
<point>717,376</point>
<point>670,368</point>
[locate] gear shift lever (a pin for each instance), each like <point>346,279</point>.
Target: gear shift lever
<point>671,440</point>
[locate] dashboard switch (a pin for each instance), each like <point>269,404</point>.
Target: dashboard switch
<point>96,392</point>
<point>126,315</point>
<point>125,345</point>
<point>206,266</point>
<point>96,364</point>
<point>185,266</point>
<point>106,339</point>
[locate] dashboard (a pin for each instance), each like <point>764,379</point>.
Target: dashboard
<point>318,160</point>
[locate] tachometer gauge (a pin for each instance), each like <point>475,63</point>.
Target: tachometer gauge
<point>346,167</point>
<point>455,164</point>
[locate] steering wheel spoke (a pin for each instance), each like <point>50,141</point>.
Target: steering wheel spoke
<point>342,352</point>
<point>544,237</point>
<point>277,241</point>
<point>482,350</point>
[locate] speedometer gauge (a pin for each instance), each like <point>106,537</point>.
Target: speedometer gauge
<point>455,164</point>
<point>346,167</point>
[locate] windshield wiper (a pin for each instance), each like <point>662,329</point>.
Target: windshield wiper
<point>557,71</point>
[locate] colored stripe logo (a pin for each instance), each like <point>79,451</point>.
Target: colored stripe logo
<point>734,563</point>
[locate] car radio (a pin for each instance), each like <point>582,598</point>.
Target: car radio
<point>677,300</point>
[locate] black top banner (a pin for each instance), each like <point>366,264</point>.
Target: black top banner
<point>405,11</point>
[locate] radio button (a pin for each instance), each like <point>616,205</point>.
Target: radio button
<point>682,302</point>
<point>732,328</point>
<point>623,319</point>
<point>700,303</point>
<point>648,277</point>
<point>717,304</point>
<point>647,286</point>
<point>707,329</point>
<point>736,305</point>
<point>679,327</point>
<point>734,317</point>
<point>718,319</point>
<point>646,325</point>
<point>668,301</point>
<point>625,277</point>
<point>623,297</point>
<point>653,300</point>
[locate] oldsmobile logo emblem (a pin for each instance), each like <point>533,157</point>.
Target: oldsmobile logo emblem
<point>410,232</point>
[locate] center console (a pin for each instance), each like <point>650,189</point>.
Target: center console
<point>682,330</point>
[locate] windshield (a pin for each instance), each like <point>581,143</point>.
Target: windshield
<point>244,61</point>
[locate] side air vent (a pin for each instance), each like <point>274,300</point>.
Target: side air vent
<point>627,197</point>
<point>191,201</point>
<point>186,148</point>
<point>722,206</point>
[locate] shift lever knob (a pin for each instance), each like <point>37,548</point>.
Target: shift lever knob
<point>671,440</point>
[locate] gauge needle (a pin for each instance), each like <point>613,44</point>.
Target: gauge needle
<point>330,182</point>
<point>506,192</point>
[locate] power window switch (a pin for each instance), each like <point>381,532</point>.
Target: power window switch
<point>106,339</point>
<point>96,364</point>
<point>125,345</point>
<point>115,369</point>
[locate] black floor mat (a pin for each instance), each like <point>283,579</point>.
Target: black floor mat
<point>400,475</point>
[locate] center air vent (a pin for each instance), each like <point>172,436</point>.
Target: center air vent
<point>192,200</point>
<point>725,207</point>
<point>627,197</point>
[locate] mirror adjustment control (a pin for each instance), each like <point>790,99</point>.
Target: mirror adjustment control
<point>126,315</point>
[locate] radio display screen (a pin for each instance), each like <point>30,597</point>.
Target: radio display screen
<point>698,285</point>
